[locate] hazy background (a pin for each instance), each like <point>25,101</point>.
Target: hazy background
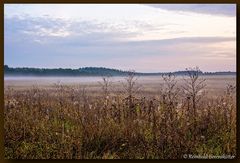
<point>146,38</point>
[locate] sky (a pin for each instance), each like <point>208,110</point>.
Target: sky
<point>140,37</point>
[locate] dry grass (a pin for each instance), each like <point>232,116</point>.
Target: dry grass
<point>65,122</point>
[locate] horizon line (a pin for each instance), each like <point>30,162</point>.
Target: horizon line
<point>124,70</point>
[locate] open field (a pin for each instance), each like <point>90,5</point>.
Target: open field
<point>121,117</point>
<point>151,83</point>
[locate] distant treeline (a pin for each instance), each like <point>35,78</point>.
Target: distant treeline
<point>89,71</point>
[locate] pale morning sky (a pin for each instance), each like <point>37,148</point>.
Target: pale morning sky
<point>143,37</point>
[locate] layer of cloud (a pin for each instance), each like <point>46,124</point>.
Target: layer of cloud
<point>52,42</point>
<point>86,33</point>
<point>212,9</point>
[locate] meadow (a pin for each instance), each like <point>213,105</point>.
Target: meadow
<point>158,117</point>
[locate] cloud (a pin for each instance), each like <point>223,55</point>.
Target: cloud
<point>183,40</point>
<point>51,42</point>
<point>52,29</point>
<point>212,9</point>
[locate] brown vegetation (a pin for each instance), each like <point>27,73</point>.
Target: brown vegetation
<point>70,123</point>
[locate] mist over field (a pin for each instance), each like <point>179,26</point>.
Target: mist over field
<point>120,81</point>
<point>214,83</point>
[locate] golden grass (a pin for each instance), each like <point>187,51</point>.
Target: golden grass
<point>66,122</point>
